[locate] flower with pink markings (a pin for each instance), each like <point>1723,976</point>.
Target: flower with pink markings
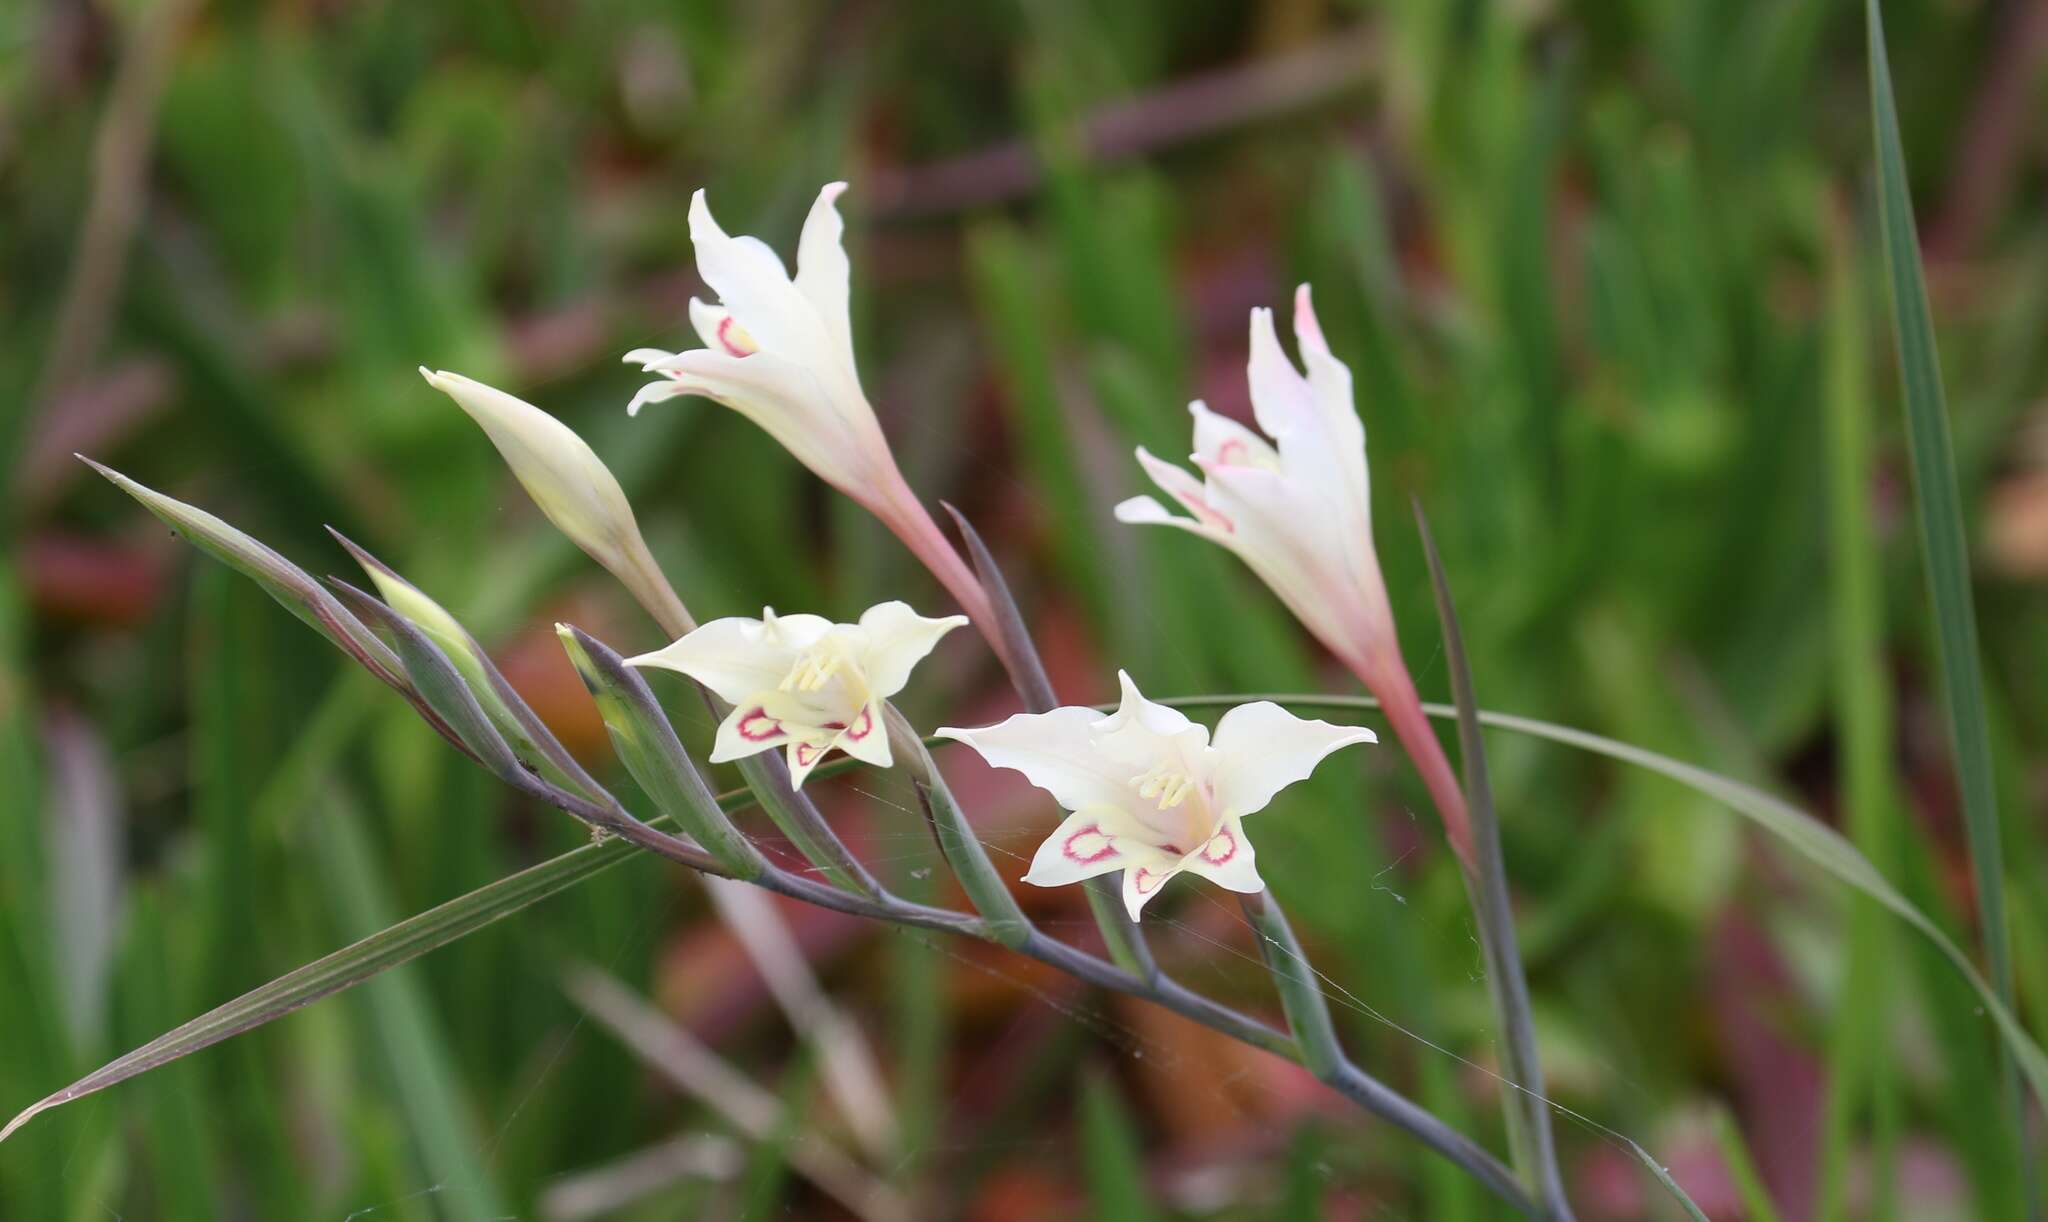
<point>1150,793</point>
<point>778,349</point>
<point>804,683</point>
<point>1297,510</point>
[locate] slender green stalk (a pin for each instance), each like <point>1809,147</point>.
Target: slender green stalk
<point>1756,1202</point>
<point>1526,1109</point>
<point>1301,993</point>
<point>1857,1066</point>
<point>958,844</point>
<point>1938,512</point>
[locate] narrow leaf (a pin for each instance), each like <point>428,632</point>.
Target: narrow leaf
<point>280,578</point>
<point>1797,830</point>
<point>1111,1155</point>
<point>1027,669</point>
<point>1756,1202</point>
<point>1938,511</point>
<point>351,965</point>
<point>1528,1112</point>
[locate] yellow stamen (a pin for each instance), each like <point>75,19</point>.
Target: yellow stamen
<point>1169,789</point>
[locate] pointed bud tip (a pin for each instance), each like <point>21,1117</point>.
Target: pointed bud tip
<point>102,468</point>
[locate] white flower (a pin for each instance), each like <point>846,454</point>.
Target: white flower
<point>804,683</point>
<point>1295,509</point>
<point>1151,795</point>
<point>779,350</point>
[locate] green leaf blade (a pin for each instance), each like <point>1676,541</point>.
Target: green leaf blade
<point>1938,514</point>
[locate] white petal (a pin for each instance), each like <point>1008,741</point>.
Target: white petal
<point>787,399</point>
<point>1225,442</point>
<point>898,638</point>
<point>1281,398</point>
<point>736,657</point>
<point>803,757</point>
<point>1330,382</point>
<point>1145,737</point>
<point>822,271</point>
<point>1134,709</point>
<point>795,632</point>
<point>1146,511</point>
<point>658,392</point>
<point>1142,882</point>
<point>646,358</point>
<point>752,283</point>
<point>1087,843</point>
<point>747,730</point>
<point>1227,860</point>
<point>1056,752</point>
<point>720,331</point>
<point>1262,748</point>
<point>1296,541</point>
<point>865,738</point>
<point>1186,489</point>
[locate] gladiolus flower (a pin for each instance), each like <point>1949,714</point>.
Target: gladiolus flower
<point>804,683</point>
<point>1297,510</point>
<point>779,350</point>
<point>1150,793</point>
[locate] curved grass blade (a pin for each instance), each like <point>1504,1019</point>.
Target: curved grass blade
<point>1527,1110</point>
<point>1938,511</point>
<point>348,966</point>
<point>1806,835</point>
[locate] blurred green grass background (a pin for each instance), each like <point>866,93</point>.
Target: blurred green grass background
<point>1605,273</point>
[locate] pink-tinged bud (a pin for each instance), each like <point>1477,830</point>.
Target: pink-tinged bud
<point>1294,505</point>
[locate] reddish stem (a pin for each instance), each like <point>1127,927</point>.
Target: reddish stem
<point>907,517</point>
<point>1389,681</point>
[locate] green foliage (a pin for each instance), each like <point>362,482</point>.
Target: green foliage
<point>1575,257</point>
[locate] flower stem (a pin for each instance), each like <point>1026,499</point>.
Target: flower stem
<point>904,514</point>
<point>1389,682</point>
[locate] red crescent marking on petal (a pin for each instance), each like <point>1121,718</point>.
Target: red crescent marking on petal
<point>863,725</point>
<point>774,729</point>
<point>1107,851</point>
<point>805,753</point>
<point>1229,848</point>
<point>1139,881</point>
<point>725,340</point>
<point>1231,452</point>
